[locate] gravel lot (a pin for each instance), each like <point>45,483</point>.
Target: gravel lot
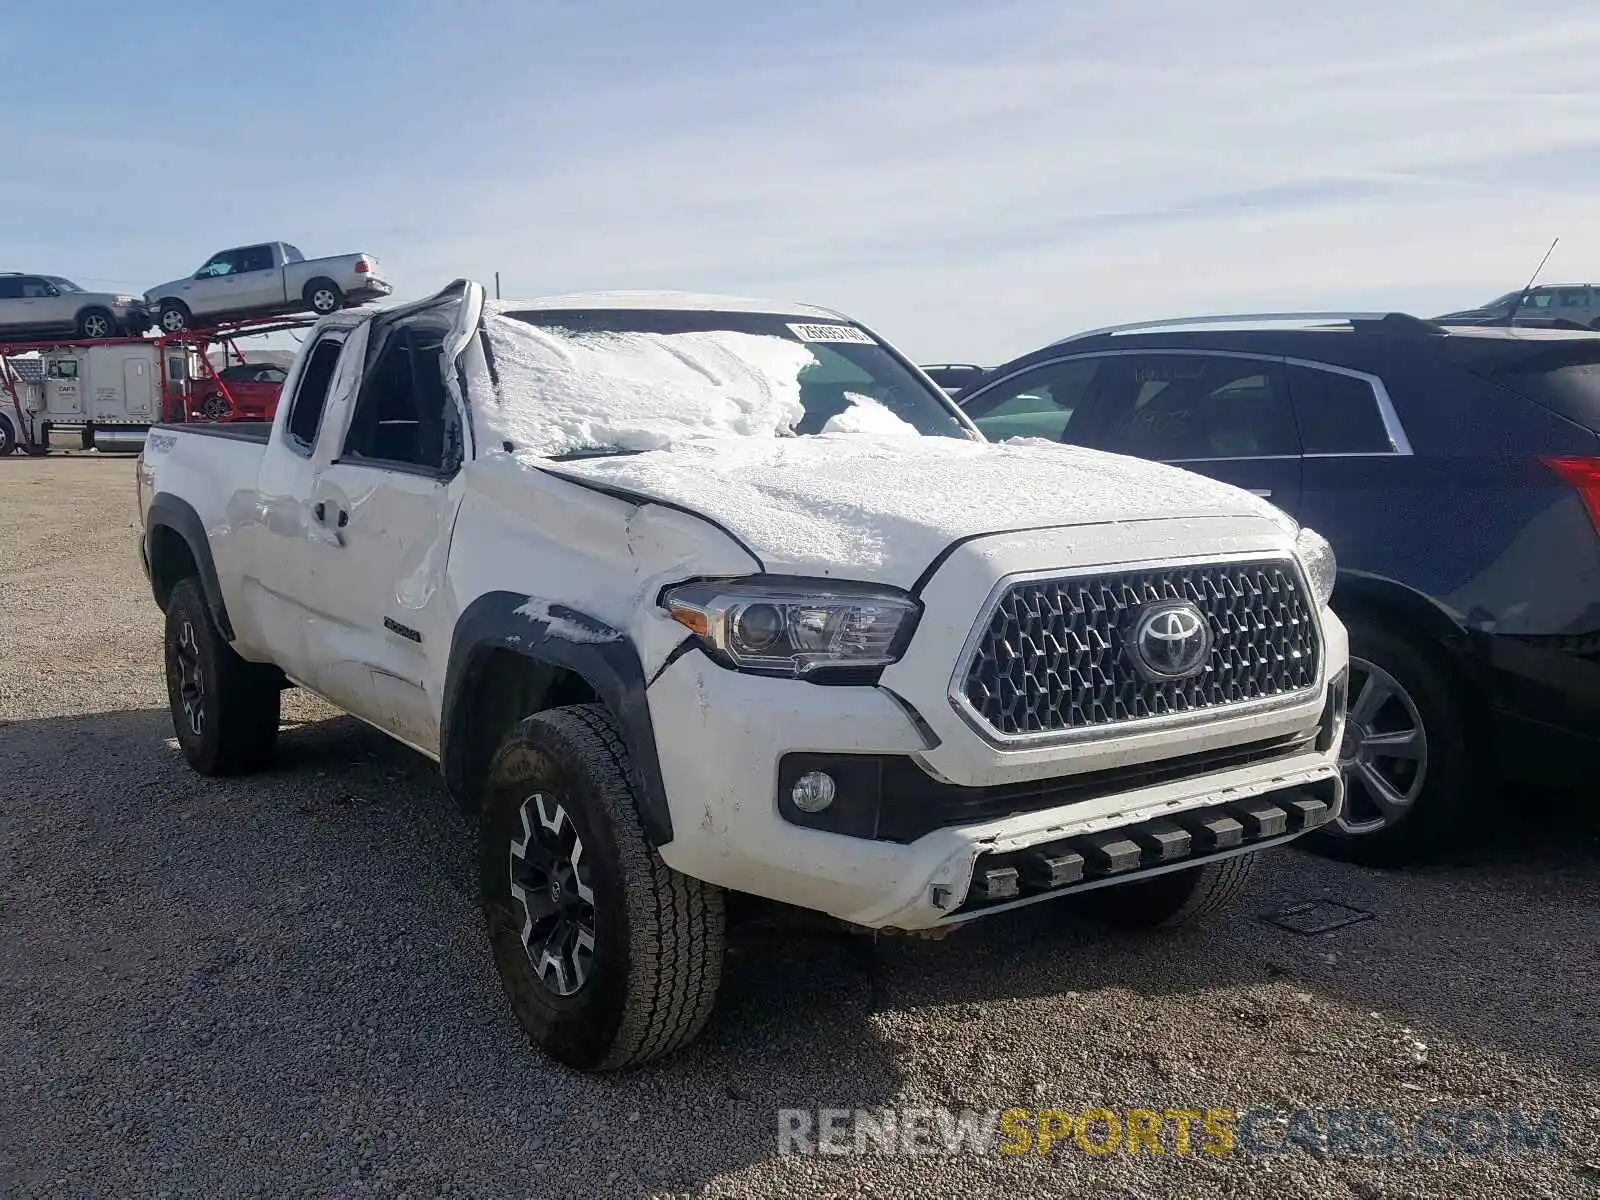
<point>279,985</point>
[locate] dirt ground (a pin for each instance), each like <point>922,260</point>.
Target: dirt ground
<point>278,985</point>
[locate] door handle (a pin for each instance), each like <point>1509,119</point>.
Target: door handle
<point>1264,493</point>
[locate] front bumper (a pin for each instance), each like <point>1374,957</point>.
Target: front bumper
<point>729,827</point>
<point>951,804</point>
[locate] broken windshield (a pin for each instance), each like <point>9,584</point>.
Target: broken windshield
<point>585,382</point>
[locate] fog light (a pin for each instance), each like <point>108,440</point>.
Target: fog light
<point>813,791</point>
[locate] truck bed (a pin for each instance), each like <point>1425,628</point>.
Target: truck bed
<point>235,431</point>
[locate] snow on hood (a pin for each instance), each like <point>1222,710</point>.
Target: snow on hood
<point>639,391</point>
<point>882,508</point>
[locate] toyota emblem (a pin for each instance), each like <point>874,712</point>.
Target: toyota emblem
<point>1171,640</point>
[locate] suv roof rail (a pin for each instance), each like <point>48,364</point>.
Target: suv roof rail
<point>1392,321</point>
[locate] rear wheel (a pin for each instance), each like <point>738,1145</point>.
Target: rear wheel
<point>1174,899</point>
<point>224,709</point>
<point>1408,773</point>
<point>608,956</point>
<point>324,296</point>
<point>8,437</point>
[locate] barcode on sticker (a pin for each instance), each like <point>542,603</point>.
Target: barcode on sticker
<point>829,333</point>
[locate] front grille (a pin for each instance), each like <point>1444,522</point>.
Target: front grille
<point>1054,658</point>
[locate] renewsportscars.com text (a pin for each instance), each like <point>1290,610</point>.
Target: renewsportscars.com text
<point>1358,1132</point>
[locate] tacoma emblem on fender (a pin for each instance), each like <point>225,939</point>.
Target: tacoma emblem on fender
<point>1171,640</point>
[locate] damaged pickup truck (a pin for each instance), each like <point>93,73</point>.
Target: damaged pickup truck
<point>695,596</point>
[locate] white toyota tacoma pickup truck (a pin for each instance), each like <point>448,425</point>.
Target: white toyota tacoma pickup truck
<point>691,597</point>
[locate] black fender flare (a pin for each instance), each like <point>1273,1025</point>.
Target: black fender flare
<point>171,512</point>
<point>558,636</point>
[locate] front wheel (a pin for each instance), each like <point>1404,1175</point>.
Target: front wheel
<point>174,316</point>
<point>224,709</point>
<point>96,323</point>
<point>1410,787</point>
<point>608,956</point>
<point>1174,899</point>
<point>8,438</point>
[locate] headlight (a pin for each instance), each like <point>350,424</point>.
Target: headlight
<point>1316,559</point>
<point>795,627</point>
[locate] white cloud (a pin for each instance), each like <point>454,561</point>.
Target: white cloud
<point>1167,159</point>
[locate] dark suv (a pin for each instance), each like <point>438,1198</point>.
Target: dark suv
<point>1456,472</point>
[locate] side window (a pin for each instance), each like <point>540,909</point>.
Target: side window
<point>311,396</point>
<point>255,258</point>
<point>10,287</point>
<point>1541,300</point>
<point>292,254</point>
<point>1190,406</point>
<point>1573,298</point>
<point>226,263</point>
<point>36,289</point>
<point>403,415</point>
<point>1338,414</point>
<point>1038,403</point>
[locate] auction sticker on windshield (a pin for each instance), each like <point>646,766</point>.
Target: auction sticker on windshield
<point>830,333</point>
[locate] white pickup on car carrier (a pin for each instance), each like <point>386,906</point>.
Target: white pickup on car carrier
<point>690,596</point>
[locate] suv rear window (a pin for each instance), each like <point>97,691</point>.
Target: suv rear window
<point>1338,413</point>
<point>1564,378</point>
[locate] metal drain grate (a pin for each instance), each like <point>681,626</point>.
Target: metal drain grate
<point>1307,917</point>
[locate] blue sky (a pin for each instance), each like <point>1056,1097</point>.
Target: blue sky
<point>970,179</point>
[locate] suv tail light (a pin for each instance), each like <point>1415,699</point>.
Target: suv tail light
<point>1583,474</point>
<point>361,266</point>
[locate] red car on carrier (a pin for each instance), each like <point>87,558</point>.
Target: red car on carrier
<point>249,392</point>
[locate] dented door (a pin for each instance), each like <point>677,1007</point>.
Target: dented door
<point>382,509</point>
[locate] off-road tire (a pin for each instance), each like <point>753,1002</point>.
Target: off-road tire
<point>239,700</point>
<point>1176,898</point>
<point>659,935</point>
<point>323,287</point>
<point>1452,797</point>
<point>174,316</point>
